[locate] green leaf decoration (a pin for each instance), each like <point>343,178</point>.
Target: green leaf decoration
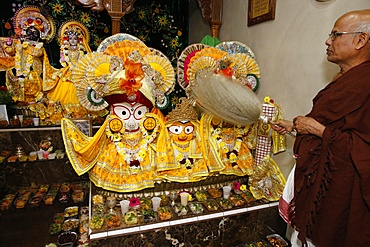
<point>211,41</point>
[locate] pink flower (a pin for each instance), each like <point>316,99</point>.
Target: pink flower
<point>236,185</point>
<point>134,201</point>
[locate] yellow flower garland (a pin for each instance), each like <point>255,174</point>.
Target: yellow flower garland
<point>129,154</point>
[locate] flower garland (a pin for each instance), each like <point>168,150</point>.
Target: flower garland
<point>182,156</point>
<point>132,156</point>
<point>228,148</point>
<point>23,62</point>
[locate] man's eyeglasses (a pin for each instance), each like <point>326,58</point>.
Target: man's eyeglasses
<point>334,35</point>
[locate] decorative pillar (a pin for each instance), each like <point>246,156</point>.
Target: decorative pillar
<point>116,10</point>
<point>212,13</point>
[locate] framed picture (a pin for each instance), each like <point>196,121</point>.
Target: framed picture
<point>84,124</point>
<point>260,11</point>
<point>3,113</point>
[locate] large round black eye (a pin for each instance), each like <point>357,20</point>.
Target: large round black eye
<point>122,112</point>
<point>175,129</point>
<point>189,129</point>
<point>140,112</point>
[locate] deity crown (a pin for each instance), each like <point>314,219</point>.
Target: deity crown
<point>184,111</point>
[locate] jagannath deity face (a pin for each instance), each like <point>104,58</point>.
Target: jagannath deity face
<point>181,132</point>
<point>131,114</point>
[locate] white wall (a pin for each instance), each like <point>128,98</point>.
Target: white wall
<point>290,50</point>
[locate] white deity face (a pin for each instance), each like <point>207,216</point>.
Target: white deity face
<point>73,39</point>
<point>131,114</point>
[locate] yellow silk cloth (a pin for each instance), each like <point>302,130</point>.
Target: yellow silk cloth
<point>83,151</point>
<point>267,181</point>
<point>242,165</point>
<point>106,166</point>
<point>172,170</point>
<point>58,84</point>
<point>210,152</point>
<point>63,89</point>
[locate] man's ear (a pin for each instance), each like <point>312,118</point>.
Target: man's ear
<point>362,40</point>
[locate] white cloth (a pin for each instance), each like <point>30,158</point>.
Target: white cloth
<point>286,197</point>
<point>297,243</point>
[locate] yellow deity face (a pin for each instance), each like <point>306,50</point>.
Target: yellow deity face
<point>181,132</point>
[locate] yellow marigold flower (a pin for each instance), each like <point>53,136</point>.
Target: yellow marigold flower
<point>243,187</point>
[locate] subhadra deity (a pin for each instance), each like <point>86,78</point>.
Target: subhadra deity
<point>185,157</point>
<point>120,156</point>
<point>226,149</point>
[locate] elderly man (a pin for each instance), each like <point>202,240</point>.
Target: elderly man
<point>331,203</point>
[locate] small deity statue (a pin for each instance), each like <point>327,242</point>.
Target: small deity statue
<point>185,161</point>
<point>74,38</point>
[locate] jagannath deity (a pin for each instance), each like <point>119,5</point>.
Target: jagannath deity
<point>124,75</point>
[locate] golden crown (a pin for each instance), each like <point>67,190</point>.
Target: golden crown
<point>184,111</point>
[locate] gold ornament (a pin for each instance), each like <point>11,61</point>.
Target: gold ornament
<point>184,111</point>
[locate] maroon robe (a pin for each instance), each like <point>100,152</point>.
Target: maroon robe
<point>331,204</point>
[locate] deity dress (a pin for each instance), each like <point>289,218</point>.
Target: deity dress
<point>31,61</point>
<point>184,157</point>
<point>123,74</point>
<point>74,38</point>
<point>226,147</point>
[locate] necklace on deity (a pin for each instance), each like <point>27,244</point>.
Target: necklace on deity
<point>182,146</point>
